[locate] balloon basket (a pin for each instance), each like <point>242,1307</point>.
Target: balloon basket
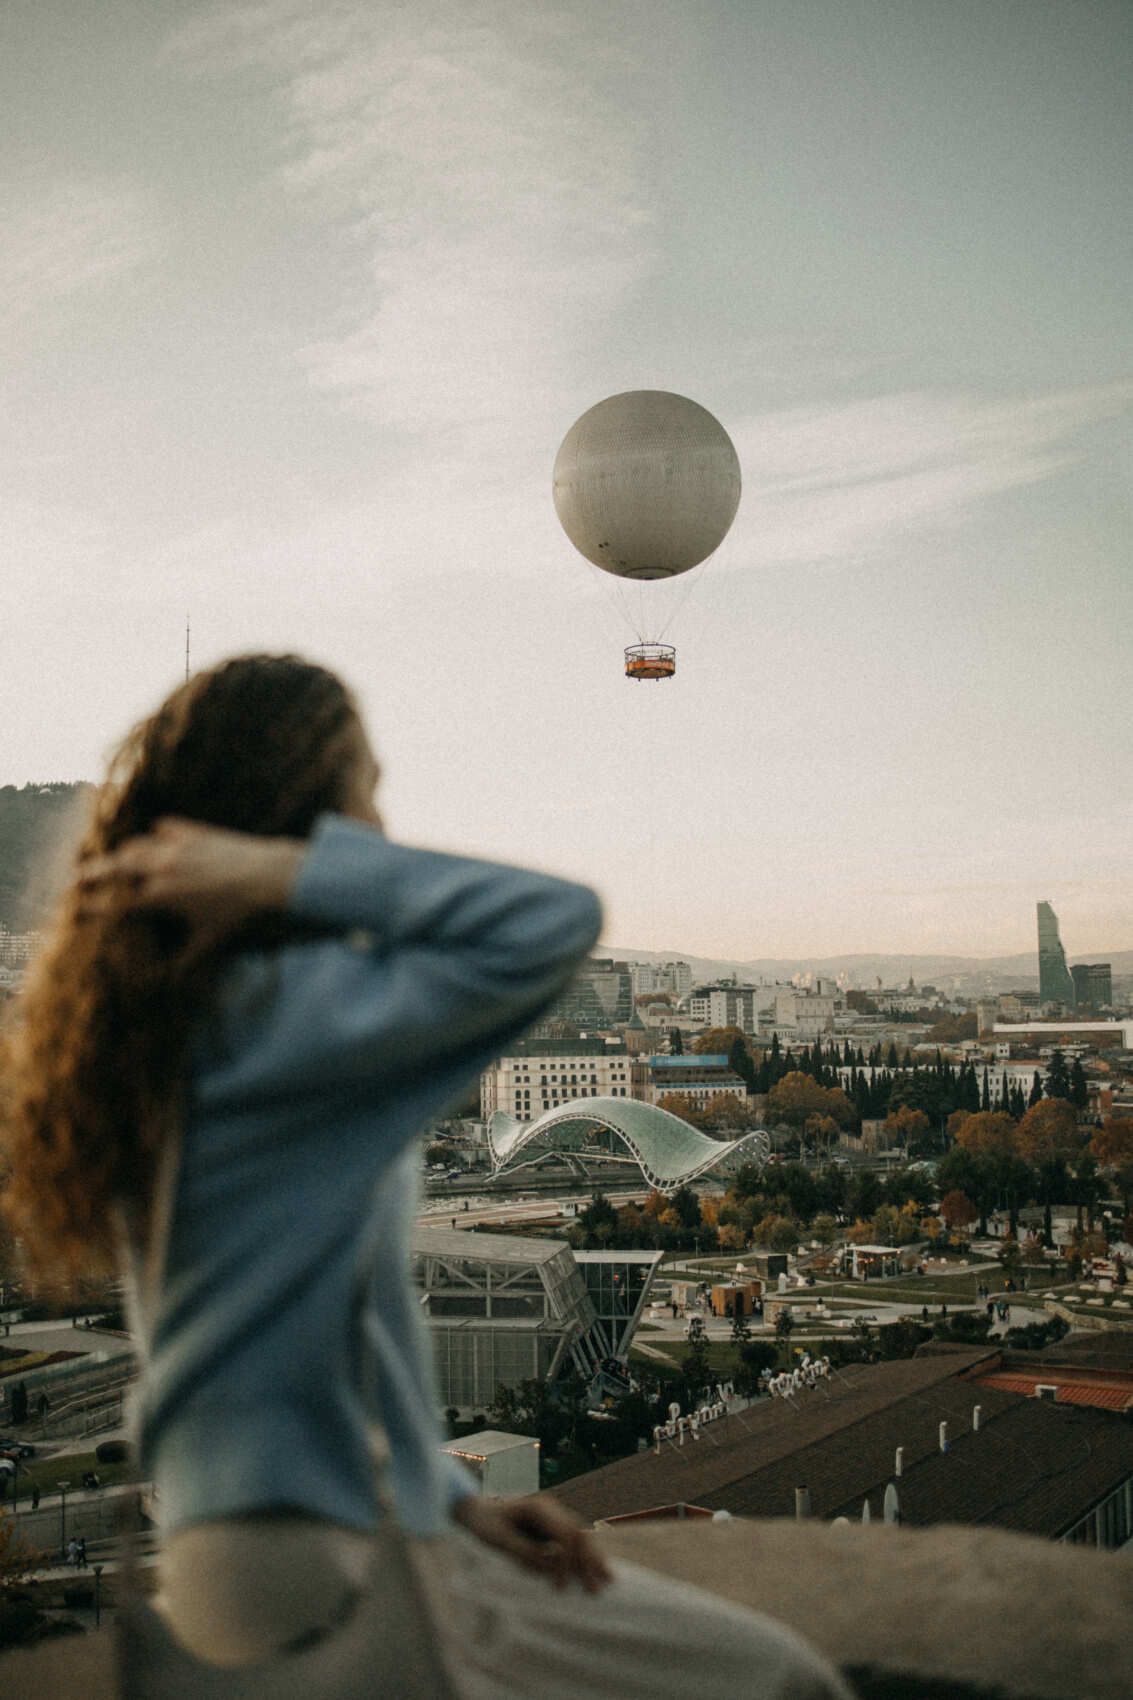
<point>651,661</point>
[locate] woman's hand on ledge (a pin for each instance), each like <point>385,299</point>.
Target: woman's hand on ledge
<point>538,1534</point>
<point>214,879</point>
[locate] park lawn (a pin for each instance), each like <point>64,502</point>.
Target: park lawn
<point>721,1356</point>
<point>49,1472</point>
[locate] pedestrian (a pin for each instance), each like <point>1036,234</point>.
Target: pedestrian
<point>250,1005</point>
<point>73,1552</point>
<point>924,1313</point>
<point>81,1552</point>
<point>35,1496</point>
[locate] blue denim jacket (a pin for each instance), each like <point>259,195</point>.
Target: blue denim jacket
<point>286,1326</point>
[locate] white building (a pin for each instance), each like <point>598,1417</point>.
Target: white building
<point>503,1464</point>
<point>672,977</point>
<point>731,1004</point>
<point>806,1014</point>
<point>525,1086</point>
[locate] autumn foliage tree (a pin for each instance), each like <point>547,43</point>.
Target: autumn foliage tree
<point>985,1133</point>
<point>905,1125</point>
<point>1112,1143</point>
<point>680,1104</point>
<point>798,1096</point>
<point>717,1041</point>
<point>1049,1132</point>
<point>958,1211</point>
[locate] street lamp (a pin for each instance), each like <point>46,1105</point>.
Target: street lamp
<point>63,1486</point>
<point>97,1568</point>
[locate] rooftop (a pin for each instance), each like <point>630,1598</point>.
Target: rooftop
<point>1033,1465</point>
<point>484,1248</point>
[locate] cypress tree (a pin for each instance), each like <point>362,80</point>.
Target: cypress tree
<point>1079,1092</point>
<point>1057,1077</point>
<point>985,1091</point>
<point>1036,1090</point>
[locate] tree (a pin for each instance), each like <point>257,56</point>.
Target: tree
<point>1009,1255</point>
<point>717,1041</point>
<point>741,1323</point>
<point>798,1096</point>
<point>695,1372</point>
<point>687,1207</point>
<point>725,1111</point>
<point>732,1237</point>
<point>676,1042</point>
<point>1049,1130</point>
<point>986,1132</point>
<point>680,1104</point>
<point>1112,1143</point>
<point>778,1233</point>
<point>958,1211</point>
<point>905,1125</point>
<point>1079,1092</point>
<point>864,1194</point>
<point>824,1228</point>
<point>754,1357</point>
<point>1049,1138</point>
<point>598,1221</point>
<point>784,1328</point>
<point>1057,1077</point>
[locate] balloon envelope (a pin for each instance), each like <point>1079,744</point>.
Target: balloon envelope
<point>646,484</point>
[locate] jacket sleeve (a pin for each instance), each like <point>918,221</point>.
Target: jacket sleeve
<point>439,959</point>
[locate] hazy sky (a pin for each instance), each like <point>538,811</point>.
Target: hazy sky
<point>298,299</point>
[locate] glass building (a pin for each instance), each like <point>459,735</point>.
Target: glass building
<point>1055,983</point>
<point>618,1283</point>
<point>1093,985</point>
<point>503,1310</point>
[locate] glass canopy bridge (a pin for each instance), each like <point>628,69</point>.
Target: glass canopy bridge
<point>668,1151</point>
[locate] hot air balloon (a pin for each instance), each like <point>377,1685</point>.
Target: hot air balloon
<point>646,486</point>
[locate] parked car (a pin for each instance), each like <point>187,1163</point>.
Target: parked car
<point>10,1448</point>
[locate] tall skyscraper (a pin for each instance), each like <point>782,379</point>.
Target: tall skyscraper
<point>1055,983</point>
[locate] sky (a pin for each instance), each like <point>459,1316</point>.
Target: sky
<point>297,301</point>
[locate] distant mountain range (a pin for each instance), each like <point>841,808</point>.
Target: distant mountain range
<point>968,973</point>
<point>39,822</point>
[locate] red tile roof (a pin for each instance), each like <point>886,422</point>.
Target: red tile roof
<point>1102,1396</point>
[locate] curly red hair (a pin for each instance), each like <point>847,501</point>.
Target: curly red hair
<point>94,1048</point>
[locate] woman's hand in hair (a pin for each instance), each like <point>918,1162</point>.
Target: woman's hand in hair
<point>213,878</point>
<point>539,1534</point>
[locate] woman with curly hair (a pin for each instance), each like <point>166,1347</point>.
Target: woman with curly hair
<point>250,1005</point>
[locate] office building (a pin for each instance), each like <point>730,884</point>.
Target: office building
<point>1093,985</point>
<point>1055,984</point>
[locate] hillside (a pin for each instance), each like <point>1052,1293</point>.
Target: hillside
<point>38,823</point>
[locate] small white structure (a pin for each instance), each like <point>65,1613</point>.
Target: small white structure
<point>501,1463</point>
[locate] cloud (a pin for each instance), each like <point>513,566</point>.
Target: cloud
<point>65,235</point>
<point>844,481</point>
<point>484,168</point>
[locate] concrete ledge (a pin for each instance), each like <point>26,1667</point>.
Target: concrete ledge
<point>967,1611</point>
<point>928,1614</point>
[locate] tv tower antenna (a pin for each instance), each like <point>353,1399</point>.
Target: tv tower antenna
<point>186,646</point>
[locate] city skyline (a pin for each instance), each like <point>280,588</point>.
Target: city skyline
<point>298,307</point>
